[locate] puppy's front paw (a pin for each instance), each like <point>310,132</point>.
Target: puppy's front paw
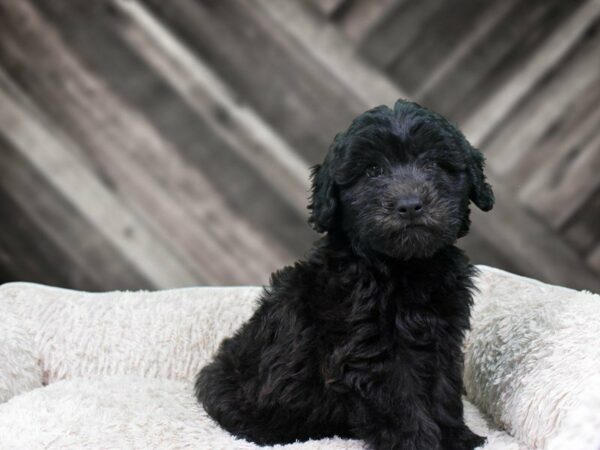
<point>463,439</point>
<point>386,440</point>
<point>472,441</point>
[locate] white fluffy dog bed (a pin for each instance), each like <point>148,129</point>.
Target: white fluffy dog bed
<point>116,369</point>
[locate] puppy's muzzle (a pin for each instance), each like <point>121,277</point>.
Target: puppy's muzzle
<point>409,206</point>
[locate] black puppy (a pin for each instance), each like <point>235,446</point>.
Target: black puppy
<point>363,339</point>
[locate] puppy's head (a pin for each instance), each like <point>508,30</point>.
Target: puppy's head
<point>398,182</point>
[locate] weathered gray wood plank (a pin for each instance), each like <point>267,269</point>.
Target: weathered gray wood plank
<point>65,173</point>
<point>552,185</point>
<point>204,127</point>
<point>594,259</point>
<point>570,183</point>
<point>61,242</point>
<point>583,228</point>
<point>438,35</point>
<point>513,89</point>
<point>244,132</point>
<point>286,86</point>
<point>329,7</point>
<point>515,234</point>
<point>519,149</point>
<point>396,30</point>
<point>330,50</point>
<point>27,254</point>
<point>359,17</point>
<point>499,57</point>
<point>481,251</point>
<point>456,57</point>
<point>196,122</point>
<point>530,245</point>
<point>162,188</point>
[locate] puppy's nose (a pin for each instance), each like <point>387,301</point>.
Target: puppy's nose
<point>410,206</point>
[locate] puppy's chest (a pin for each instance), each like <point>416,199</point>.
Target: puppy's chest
<point>396,321</point>
<point>415,328</point>
<point>384,338</point>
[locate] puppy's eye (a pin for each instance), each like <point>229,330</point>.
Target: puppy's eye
<point>374,171</point>
<point>452,169</point>
<point>443,166</point>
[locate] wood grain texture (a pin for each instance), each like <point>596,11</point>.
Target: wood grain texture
<point>514,233</point>
<point>546,55</point>
<point>53,156</point>
<point>569,86</point>
<point>154,144</point>
<point>197,157</point>
<point>330,7</point>
<point>396,30</point>
<point>152,179</point>
<point>37,212</point>
<point>594,259</point>
<point>448,25</point>
<point>359,17</point>
<point>287,86</point>
<point>582,229</point>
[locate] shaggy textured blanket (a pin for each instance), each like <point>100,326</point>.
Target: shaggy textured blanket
<point>116,369</point>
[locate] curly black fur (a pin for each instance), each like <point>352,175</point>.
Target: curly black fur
<point>363,338</point>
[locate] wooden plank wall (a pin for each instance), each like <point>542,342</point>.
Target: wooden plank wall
<point>150,144</point>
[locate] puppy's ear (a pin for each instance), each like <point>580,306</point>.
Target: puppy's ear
<point>481,192</point>
<point>323,201</point>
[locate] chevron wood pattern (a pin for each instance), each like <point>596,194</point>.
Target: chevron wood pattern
<point>151,144</point>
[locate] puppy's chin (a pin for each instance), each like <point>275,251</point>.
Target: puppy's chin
<point>408,243</point>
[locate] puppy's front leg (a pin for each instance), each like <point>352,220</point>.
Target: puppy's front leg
<point>447,406</point>
<point>392,439</point>
<point>391,422</point>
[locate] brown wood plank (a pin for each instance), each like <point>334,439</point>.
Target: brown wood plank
<point>49,240</point>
